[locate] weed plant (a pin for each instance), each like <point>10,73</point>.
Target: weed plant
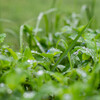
<point>59,59</point>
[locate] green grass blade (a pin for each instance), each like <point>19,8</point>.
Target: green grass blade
<point>39,45</point>
<point>38,22</point>
<point>41,16</point>
<point>61,40</point>
<point>69,58</point>
<point>93,7</point>
<point>57,19</point>
<point>46,24</point>
<point>71,46</point>
<point>21,37</point>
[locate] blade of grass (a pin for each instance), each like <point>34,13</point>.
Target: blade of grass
<point>41,16</point>
<point>61,40</point>
<point>38,22</point>
<point>69,58</point>
<point>30,40</point>
<point>93,7</point>
<point>71,46</point>
<point>39,45</point>
<point>21,37</point>
<point>46,24</point>
<point>66,46</point>
<point>57,19</point>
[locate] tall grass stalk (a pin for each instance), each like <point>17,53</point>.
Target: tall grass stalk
<point>21,37</point>
<point>66,47</point>
<point>90,10</point>
<point>41,15</point>
<point>93,5</point>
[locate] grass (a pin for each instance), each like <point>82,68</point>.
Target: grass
<point>55,58</point>
<point>13,14</point>
<point>58,59</point>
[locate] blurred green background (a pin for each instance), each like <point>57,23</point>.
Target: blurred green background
<point>20,11</point>
<point>14,13</point>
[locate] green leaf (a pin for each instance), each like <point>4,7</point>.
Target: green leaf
<point>86,52</point>
<point>2,36</point>
<point>13,53</point>
<point>28,54</point>
<point>61,67</point>
<point>52,52</point>
<point>70,47</point>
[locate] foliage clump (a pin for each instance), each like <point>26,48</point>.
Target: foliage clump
<point>60,61</point>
